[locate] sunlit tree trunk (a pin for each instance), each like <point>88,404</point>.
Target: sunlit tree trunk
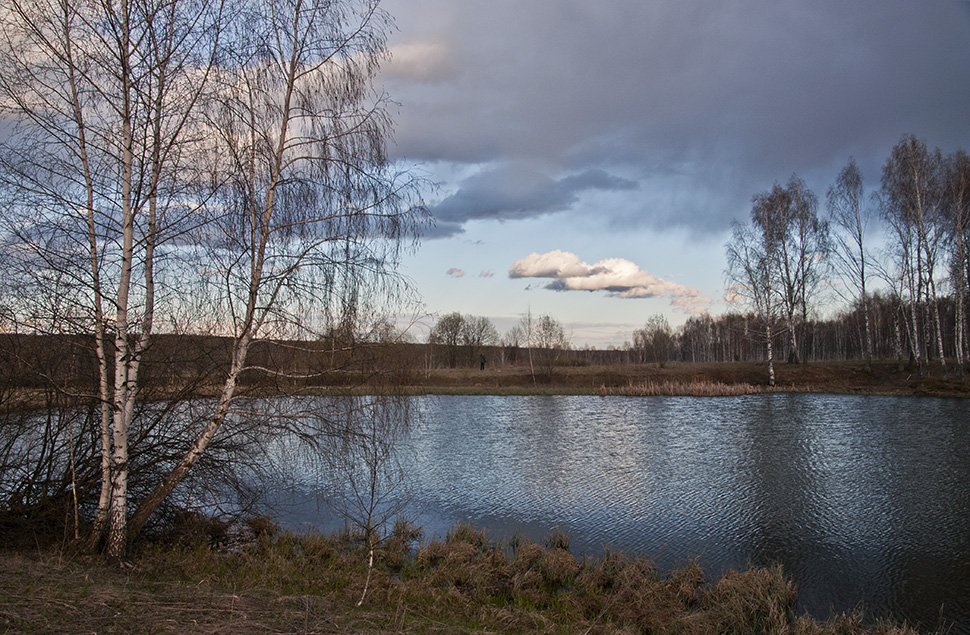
<point>100,125</point>
<point>121,143</point>
<point>100,521</point>
<point>771,362</point>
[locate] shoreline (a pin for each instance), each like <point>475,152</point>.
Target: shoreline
<point>463,583</point>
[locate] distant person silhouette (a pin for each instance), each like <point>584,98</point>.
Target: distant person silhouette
<point>481,359</point>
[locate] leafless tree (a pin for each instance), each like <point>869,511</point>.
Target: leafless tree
<point>462,336</point>
<point>654,342</point>
<point>850,218</point>
<point>310,211</point>
<point>223,166</point>
<point>808,236</point>
<point>366,459</point>
<point>478,333</point>
<point>103,95</point>
<point>958,220</point>
<point>510,343</point>
<point>912,194</point>
<point>791,214</point>
<point>547,342</point>
<point>752,256</point>
<point>446,336</point>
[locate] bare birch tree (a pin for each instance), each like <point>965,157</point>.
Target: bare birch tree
<point>102,94</point>
<point>912,187</point>
<point>850,218</point>
<point>310,211</point>
<point>809,236</point>
<point>958,221</point>
<point>654,342</point>
<point>159,160</point>
<point>370,469</point>
<point>549,340</point>
<point>752,256</point>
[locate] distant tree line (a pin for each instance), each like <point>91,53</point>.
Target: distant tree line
<point>902,290</point>
<point>740,336</point>
<point>457,338</point>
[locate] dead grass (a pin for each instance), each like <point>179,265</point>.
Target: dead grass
<point>696,389</point>
<point>690,379</point>
<point>464,584</point>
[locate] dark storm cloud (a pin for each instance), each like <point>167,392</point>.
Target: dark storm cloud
<point>703,103</point>
<point>516,191</point>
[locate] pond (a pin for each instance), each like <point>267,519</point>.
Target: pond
<point>865,501</point>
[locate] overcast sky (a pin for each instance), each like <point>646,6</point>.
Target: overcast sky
<point>590,156</point>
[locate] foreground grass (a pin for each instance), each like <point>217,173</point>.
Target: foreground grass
<point>464,584</point>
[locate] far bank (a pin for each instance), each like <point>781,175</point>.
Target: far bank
<point>690,379</point>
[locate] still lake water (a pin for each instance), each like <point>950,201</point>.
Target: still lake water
<point>865,501</point>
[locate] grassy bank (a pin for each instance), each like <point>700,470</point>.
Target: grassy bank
<point>681,378</point>
<point>464,584</point>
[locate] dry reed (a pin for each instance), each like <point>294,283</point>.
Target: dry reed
<point>690,389</point>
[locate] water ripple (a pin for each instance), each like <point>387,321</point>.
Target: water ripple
<point>864,500</point>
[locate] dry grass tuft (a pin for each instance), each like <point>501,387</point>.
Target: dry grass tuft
<point>463,584</point>
<point>464,532</point>
<point>758,600</point>
<point>558,539</point>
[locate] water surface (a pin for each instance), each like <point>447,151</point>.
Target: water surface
<point>863,500</point>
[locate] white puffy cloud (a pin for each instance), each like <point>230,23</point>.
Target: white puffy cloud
<point>555,264</point>
<point>455,273</point>
<point>619,277</point>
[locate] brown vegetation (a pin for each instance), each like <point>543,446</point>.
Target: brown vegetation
<point>464,583</point>
<point>336,365</point>
<point>694,379</point>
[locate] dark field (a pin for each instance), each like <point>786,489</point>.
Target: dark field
<point>701,379</point>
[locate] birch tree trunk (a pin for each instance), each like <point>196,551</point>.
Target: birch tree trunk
<point>958,198</point>
<point>301,145</point>
<point>849,219</point>
<point>102,93</point>
<point>277,173</point>
<point>752,255</point>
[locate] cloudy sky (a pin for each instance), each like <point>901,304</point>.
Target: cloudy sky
<point>590,156</point>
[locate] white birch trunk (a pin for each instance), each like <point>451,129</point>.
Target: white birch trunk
<point>104,386</point>
<point>771,360</point>
<point>122,404</point>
